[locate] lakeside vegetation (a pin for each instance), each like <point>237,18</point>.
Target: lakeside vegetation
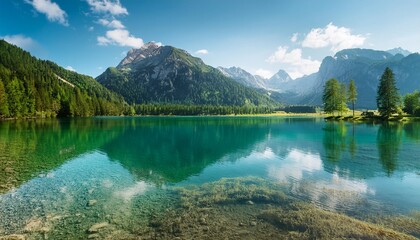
<point>336,96</point>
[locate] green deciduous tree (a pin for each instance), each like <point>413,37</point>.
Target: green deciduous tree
<point>342,106</point>
<point>387,98</point>
<point>411,102</point>
<point>352,94</point>
<point>334,97</point>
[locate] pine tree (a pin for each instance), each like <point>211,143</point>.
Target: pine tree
<point>331,97</point>
<point>352,94</point>
<point>387,98</point>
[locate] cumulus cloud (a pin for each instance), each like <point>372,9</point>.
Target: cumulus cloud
<point>107,6</point>
<point>120,37</point>
<point>111,24</point>
<point>337,38</point>
<point>20,41</point>
<point>202,52</point>
<point>293,62</point>
<point>70,68</point>
<point>264,73</point>
<point>294,37</point>
<point>51,9</point>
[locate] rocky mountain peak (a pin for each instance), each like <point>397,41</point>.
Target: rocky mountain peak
<point>135,55</point>
<point>281,76</point>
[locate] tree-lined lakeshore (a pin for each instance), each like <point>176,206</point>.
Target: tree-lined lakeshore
<point>389,102</point>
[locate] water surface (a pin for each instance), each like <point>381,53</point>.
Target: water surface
<point>60,177</point>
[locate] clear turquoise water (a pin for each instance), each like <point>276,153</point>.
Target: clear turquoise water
<point>50,169</point>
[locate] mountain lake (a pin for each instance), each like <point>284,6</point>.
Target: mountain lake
<point>208,178</point>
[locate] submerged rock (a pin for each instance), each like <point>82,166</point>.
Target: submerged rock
<point>95,228</point>
<point>92,202</point>
<point>202,221</point>
<point>13,237</point>
<point>93,236</point>
<point>34,225</point>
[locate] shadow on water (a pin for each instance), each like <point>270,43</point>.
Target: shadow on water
<point>345,152</point>
<point>412,131</point>
<point>29,148</point>
<point>334,140</point>
<point>389,140</point>
<point>173,149</point>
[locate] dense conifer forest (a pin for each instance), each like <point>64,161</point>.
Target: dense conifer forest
<point>30,87</point>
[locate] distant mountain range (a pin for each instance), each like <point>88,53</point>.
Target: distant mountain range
<point>277,82</point>
<point>165,74</point>
<point>365,66</point>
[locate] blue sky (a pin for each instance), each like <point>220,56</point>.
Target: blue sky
<point>260,36</point>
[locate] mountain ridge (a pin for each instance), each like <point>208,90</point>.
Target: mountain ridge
<point>165,74</point>
<point>365,66</point>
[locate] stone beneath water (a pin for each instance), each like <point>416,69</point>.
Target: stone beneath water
<point>13,237</point>
<point>37,225</point>
<point>92,202</point>
<point>95,228</point>
<point>93,236</point>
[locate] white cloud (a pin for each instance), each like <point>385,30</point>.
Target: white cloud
<point>107,6</point>
<point>294,37</point>
<point>264,73</point>
<point>20,41</point>
<point>121,37</point>
<point>293,62</point>
<point>202,52</point>
<point>295,164</point>
<point>337,38</point>
<point>111,24</point>
<point>70,68</point>
<point>51,9</point>
<point>91,28</point>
